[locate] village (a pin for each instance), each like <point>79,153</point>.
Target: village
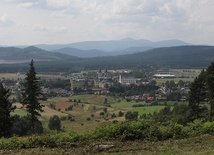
<point>103,82</point>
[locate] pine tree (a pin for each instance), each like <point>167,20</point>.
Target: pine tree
<point>30,94</point>
<point>5,109</point>
<point>210,88</point>
<point>197,95</point>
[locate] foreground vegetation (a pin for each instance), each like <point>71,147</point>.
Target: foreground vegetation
<point>142,136</point>
<point>191,146</point>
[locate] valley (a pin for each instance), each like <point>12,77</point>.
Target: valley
<point>97,77</point>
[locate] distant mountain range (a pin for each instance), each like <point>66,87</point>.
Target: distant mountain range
<point>114,45</point>
<point>108,48</point>
<point>99,54</point>
<point>81,53</point>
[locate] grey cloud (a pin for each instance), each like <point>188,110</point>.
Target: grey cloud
<point>5,21</point>
<point>54,29</point>
<point>68,6</point>
<point>149,9</point>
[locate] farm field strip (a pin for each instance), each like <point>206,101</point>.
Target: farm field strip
<point>16,76</point>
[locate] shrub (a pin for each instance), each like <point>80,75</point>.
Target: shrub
<point>138,105</point>
<point>209,128</point>
<point>70,108</point>
<point>120,114</point>
<point>54,123</point>
<point>71,118</point>
<point>165,132</point>
<point>113,115</point>
<point>105,110</point>
<point>195,128</point>
<point>115,121</point>
<point>178,131</point>
<point>102,113</point>
<point>131,115</point>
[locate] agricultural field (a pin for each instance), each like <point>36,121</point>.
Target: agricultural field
<point>15,76</point>
<point>86,111</point>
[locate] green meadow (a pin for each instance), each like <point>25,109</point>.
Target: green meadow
<point>87,109</point>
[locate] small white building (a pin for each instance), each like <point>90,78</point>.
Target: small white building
<point>164,76</point>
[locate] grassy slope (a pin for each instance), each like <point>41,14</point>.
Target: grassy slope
<point>192,146</point>
<point>85,109</point>
<point>147,110</point>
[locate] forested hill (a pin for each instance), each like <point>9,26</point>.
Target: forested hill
<point>180,56</point>
<point>28,53</point>
<point>176,54</point>
<point>193,56</point>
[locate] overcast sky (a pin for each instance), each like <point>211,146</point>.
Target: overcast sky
<point>27,22</point>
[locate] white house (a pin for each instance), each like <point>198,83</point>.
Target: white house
<point>164,76</point>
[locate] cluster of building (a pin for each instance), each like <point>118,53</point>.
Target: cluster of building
<point>104,79</point>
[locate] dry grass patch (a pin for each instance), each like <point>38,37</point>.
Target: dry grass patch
<point>48,112</point>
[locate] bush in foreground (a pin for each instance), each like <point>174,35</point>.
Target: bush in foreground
<point>146,129</point>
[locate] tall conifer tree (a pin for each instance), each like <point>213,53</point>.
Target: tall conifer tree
<point>210,88</point>
<point>197,95</point>
<point>5,109</point>
<point>30,94</point>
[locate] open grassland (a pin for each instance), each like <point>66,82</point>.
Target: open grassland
<point>124,104</point>
<point>147,109</point>
<point>128,106</point>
